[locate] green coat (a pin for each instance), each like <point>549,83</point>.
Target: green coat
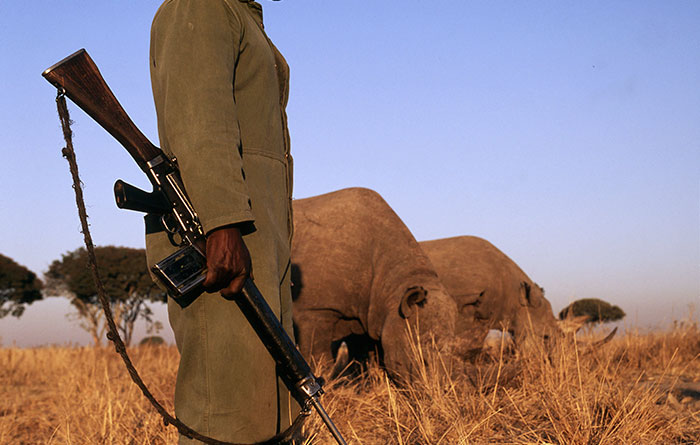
<point>220,89</point>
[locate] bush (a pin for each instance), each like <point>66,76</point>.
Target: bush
<point>153,340</point>
<point>19,287</point>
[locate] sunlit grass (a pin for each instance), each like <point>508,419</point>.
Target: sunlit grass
<point>622,392</point>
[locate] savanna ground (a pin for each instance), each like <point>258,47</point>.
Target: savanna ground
<point>639,388</point>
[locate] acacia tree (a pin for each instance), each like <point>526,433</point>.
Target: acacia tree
<point>597,311</point>
<point>19,287</point>
<point>127,284</point>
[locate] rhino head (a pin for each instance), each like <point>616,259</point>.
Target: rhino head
<point>424,316</point>
<point>533,316</point>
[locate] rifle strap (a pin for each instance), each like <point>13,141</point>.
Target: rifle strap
<point>113,334</point>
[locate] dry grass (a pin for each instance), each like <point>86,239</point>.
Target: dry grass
<point>83,396</point>
<point>628,391</point>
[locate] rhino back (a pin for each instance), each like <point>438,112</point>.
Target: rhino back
<point>472,268</point>
<point>355,255</point>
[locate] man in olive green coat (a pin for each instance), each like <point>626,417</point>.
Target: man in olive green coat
<point>220,89</point>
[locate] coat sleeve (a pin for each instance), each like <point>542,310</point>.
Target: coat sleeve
<point>194,48</point>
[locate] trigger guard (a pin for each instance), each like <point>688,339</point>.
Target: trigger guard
<point>166,226</point>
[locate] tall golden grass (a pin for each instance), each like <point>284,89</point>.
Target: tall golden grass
<point>627,391</point>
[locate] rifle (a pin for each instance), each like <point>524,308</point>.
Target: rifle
<point>183,272</point>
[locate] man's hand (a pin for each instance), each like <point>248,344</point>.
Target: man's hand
<point>228,262</point>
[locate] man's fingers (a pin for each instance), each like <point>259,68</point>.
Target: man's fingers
<point>234,288</point>
<point>216,279</point>
<point>226,281</point>
<point>228,261</point>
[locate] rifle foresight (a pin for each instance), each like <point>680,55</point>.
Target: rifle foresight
<point>78,77</point>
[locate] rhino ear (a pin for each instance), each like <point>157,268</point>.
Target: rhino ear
<point>524,293</point>
<point>537,296</point>
<point>415,296</point>
<point>470,307</point>
<point>530,297</point>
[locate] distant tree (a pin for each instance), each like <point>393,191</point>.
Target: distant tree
<point>19,287</point>
<point>152,340</point>
<point>127,283</point>
<point>597,311</point>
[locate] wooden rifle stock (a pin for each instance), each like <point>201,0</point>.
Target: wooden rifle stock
<point>78,76</point>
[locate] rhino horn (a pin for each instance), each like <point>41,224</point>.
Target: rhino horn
<point>342,360</point>
<point>598,343</point>
<point>606,339</point>
<point>572,324</point>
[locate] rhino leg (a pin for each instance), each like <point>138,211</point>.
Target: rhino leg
<point>314,331</point>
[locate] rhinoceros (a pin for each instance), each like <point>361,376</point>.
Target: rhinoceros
<point>358,270</point>
<point>491,291</point>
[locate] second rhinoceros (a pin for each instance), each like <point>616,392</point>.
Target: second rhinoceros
<point>359,270</point>
<point>491,291</point>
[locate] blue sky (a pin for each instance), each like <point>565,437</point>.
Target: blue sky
<point>566,133</point>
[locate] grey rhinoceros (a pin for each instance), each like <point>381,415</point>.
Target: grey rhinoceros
<point>359,270</point>
<point>491,291</point>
